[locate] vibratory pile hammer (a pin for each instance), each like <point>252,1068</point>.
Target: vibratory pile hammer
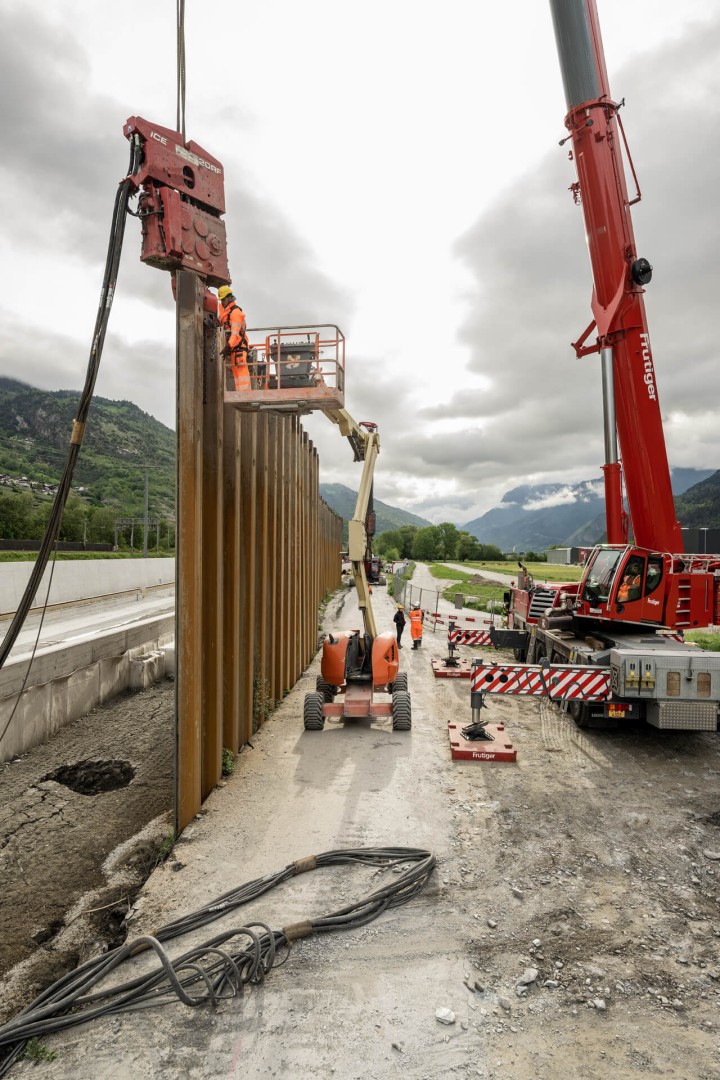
<point>181,203</point>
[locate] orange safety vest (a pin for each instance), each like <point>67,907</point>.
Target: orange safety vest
<point>233,322</point>
<point>416,623</point>
<point>624,590</point>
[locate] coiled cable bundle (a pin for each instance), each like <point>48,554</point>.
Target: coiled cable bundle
<point>220,967</point>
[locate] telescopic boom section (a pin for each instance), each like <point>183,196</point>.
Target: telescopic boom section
<point>617,303</point>
<point>365,443</point>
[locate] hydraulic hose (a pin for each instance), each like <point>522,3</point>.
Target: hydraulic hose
<point>107,294</point>
<point>220,967</point>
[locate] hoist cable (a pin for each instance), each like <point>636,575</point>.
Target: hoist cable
<point>181,68</point>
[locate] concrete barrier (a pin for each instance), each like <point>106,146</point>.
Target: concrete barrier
<point>66,681</point>
<point>82,579</point>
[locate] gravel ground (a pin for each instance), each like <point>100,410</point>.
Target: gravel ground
<point>64,850</point>
<point>570,927</point>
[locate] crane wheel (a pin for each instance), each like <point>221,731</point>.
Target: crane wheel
<point>401,712</point>
<point>313,712</point>
<point>520,655</point>
<point>400,683</point>
<point>579,712</point>
<point>328,692</point>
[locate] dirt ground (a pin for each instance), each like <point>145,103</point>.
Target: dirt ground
<point>571,925</point>
<point>64,850</point>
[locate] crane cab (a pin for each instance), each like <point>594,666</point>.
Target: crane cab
<point>291,369</point>
<point>652,588</point>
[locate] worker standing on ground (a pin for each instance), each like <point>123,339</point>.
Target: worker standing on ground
<point>399,620</point>
<point>232,320</point>
<point>417,617</point>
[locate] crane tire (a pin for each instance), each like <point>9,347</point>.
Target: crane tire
<point>400,683</point>
<point>401,711</point>
<point>580,713</point>
<point>313,712</point>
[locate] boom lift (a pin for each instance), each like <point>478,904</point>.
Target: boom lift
<point>358,665</point>
<point>302,368</point>
<point>639,592</point>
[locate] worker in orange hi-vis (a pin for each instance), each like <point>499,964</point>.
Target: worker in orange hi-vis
<point>417,617</point>
<point>232,320</point>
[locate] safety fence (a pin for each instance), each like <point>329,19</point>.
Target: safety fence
<point>428,599</point>
<point>258,549</point>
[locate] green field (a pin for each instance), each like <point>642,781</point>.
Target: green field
<point>540,571</point>
<point>477,596</point>
<point>706,639</point>
<point>64,556</point>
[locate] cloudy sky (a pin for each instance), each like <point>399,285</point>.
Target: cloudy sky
<point>392,167</point>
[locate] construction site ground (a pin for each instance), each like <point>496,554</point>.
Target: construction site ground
<point>570,927</point>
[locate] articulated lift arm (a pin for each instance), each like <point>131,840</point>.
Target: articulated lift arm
<point>365,442</point>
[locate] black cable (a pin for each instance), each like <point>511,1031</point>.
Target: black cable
<point>112,264</point>
<point>216,969</point>
<point>21,691</point>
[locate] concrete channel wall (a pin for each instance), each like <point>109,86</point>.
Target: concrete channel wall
<point>68,678</point>
<point>82,579</point>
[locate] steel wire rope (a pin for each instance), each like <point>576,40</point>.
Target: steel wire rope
<point>107,293</point>
<point>181,73</point>
<point>214,970</point>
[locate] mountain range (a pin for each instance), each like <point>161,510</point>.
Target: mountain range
<point>342,500</point>
<point>534,517</point>
<point>122,442</point>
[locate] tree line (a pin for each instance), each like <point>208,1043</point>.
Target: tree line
<point>24,518</point>
<point>441,543</point>
<point>431,543</point>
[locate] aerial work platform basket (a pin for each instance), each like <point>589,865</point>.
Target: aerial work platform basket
<point>294,369</point>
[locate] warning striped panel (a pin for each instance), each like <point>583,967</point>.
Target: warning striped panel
<point>443,618</point>
<point>469,637</point>
<point>561,682</point>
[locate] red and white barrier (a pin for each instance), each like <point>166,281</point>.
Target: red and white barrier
<point>559,682</point>
<point>469,637</point>
<point>443,618</point>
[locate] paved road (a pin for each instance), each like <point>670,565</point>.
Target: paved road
<point>491,575</point>
<point>81,621</point>
<point>427,590</point>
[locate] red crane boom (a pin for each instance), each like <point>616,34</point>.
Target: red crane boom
<point>632,410</point>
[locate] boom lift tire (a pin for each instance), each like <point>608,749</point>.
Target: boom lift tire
<point>400,683</point>
<point>401,712</point>
<point>313,712</point>
<point>328,692</point>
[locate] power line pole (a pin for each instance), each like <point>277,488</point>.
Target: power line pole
<point>145,516</point>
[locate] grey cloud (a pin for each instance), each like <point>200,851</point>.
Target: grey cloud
<point>68,149</point>
<point>533,277</point>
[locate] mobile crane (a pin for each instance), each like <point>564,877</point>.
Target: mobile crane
<point>300,369</point>
<point>611,646</point>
